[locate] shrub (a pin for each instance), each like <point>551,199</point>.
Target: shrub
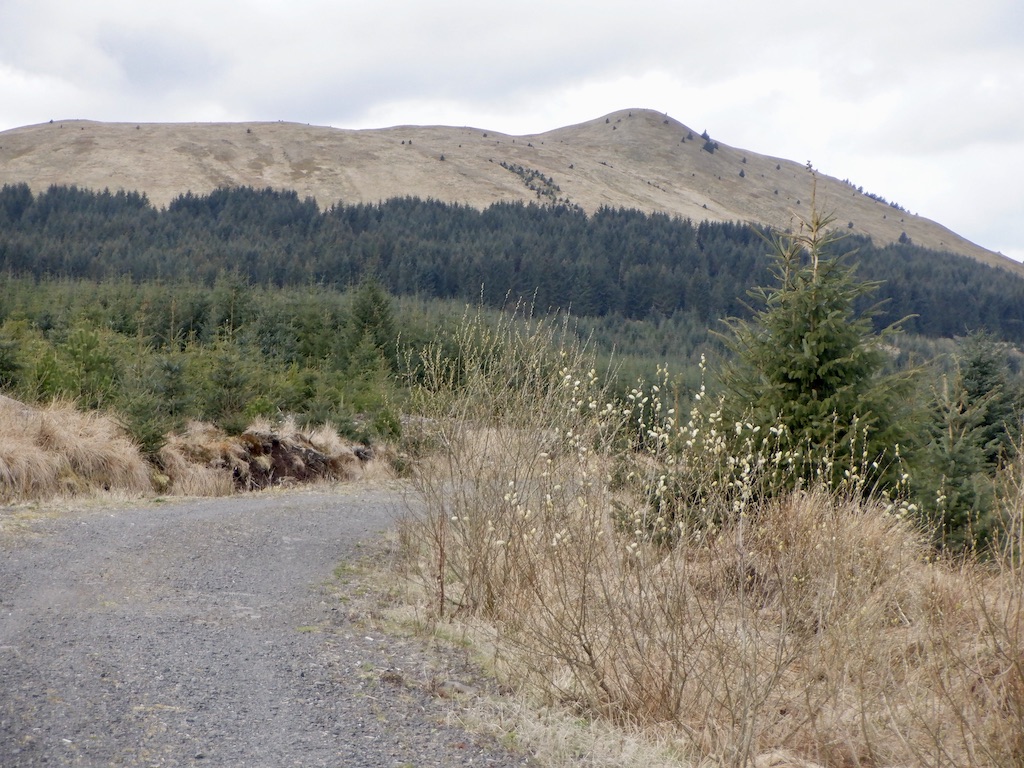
<point>811,625</point>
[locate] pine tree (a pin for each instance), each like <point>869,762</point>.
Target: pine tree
<point>974,428</point>
<point>810,363</point>
<point>371,320</point>
<point>10,366</point>
<point>986,380</point>
<point>951,477</point>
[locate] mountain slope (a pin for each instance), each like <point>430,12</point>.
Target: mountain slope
<point>633,158</point>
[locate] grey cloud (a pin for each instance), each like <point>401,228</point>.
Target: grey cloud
<point>151,61</point>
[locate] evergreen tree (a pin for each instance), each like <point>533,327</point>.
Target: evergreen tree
<point>951,478</point>
<point>10,366</point>
<point>810,362</point>
<point>986,381</point>
<point>157,399</point>
<point>974,428</point>
<point>371,321</point>
<point>228,385</point>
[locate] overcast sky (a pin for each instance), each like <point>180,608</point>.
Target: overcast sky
<point>920,101</point>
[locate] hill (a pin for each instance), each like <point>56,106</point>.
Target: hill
<point>632,159</point>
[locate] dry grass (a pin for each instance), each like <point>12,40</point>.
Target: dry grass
<point>813,628</point>
<point>56,450</point>
<point>206,461</point>
<point>200,462</point>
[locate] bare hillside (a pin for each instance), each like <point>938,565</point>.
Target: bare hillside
<point>633,158</point>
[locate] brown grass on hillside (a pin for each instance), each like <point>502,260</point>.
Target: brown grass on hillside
<point>56,450</point>
<point>633,158</point>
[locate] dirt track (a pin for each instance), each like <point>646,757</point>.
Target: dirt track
<point>211,633</point>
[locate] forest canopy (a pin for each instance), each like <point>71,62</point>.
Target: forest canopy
<point>621,263</point>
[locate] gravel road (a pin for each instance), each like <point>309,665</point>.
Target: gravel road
<point>212,632</point>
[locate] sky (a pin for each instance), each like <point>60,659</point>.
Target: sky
<point>919,101</point>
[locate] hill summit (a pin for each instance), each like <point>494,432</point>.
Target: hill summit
<point>635,158</point>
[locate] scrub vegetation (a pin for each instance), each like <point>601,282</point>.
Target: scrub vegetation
<point>753,578</point>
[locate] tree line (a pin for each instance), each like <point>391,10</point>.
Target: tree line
<point>615,263</point>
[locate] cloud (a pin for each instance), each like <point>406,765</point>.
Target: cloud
<point>150,64</point>
<point>30,98</point>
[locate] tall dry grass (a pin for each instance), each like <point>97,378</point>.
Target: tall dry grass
<point>203,460</point>
<point>56,450</point>
<point>650,581</point>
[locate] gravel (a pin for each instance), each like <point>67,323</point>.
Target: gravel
<point>214,632</point>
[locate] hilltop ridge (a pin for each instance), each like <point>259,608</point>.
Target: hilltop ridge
<point>633,158</point>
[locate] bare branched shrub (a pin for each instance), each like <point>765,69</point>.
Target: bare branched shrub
<point>639,567</point>
<point>503,418</point>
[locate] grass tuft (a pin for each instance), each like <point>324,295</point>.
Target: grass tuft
<point>56,450</point>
